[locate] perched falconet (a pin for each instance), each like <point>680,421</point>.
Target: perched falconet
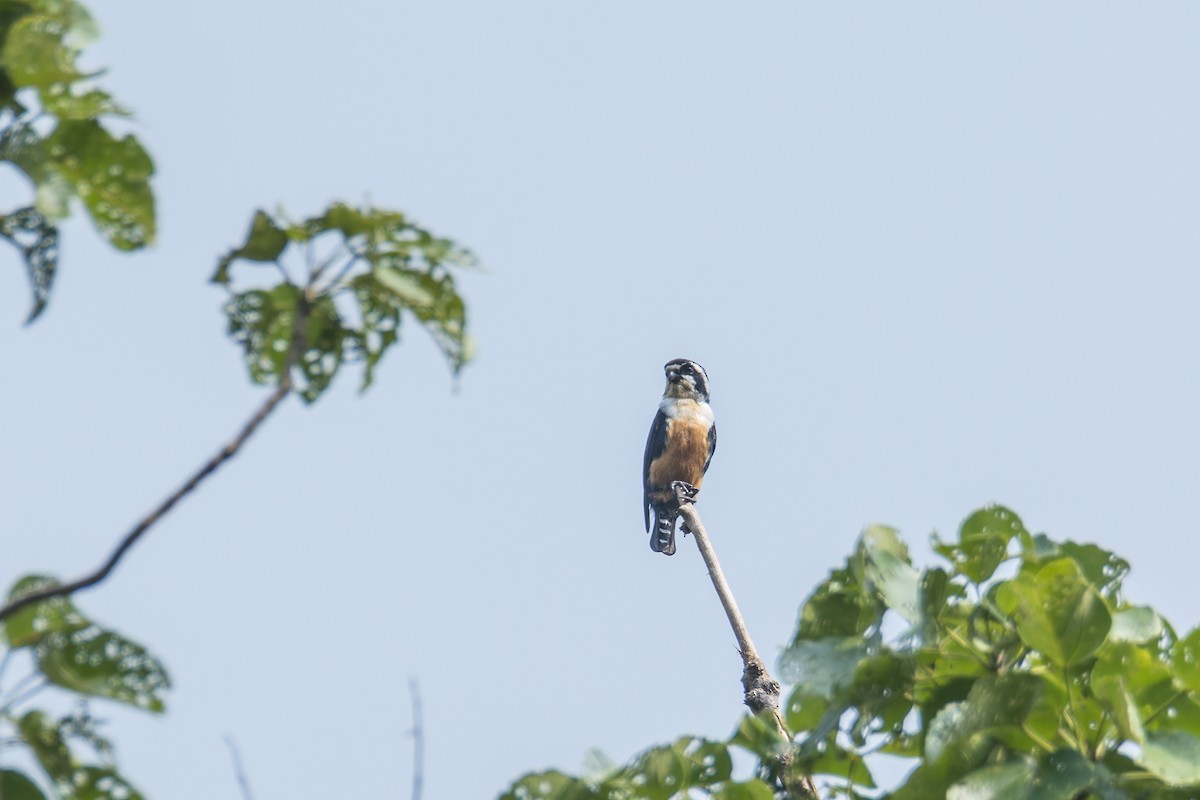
<point>680,446</point>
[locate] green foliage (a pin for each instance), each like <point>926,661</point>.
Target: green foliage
<point>1017,669</point>
<point>67,650</point>
<point>364,268</point>
<point>53,130</point>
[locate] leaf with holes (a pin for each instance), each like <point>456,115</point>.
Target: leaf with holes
<point>261,322</point>
<point>111,176</point>
<point>35,622</point>
<point>37,239</point>
<point>105,664</point>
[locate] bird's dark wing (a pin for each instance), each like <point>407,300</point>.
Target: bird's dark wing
<point>656,442</point>
<point>712,445</point>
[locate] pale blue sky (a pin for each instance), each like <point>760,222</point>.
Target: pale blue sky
<point>931,255</point>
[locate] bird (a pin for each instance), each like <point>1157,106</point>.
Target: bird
<point>679,449</point>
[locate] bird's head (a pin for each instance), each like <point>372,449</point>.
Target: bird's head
<point>686,380</point>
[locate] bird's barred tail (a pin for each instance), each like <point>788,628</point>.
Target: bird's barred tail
<point>662,537</point>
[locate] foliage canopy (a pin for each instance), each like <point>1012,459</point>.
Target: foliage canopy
<point>1016,670</point>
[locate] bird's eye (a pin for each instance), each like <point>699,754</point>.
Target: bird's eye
<point>687,369</point>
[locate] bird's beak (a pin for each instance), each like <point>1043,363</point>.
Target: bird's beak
<point>672,375</point>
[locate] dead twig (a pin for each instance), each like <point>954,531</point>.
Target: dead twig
<point>761,690</point>
<point>418,734</point>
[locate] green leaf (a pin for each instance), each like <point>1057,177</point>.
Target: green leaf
<point>35,622</point>
<point>22,146</point>
<point>890,571</point>
<point>706,761</point>
<point>1186,657</point>
<point>105,664</point>
<point>65,102</point>
<point>963,733</point>
<point>322,354</point>
<point>998,782</point>
<point>825,667</point>
<point>37,239</point>
<point>758,734</point>
<point>34,53</point>
<point>805,709</point>
<point>261,322</point>
<point>1057,611</point>
<point>749,790</point>
<point>1173,756</point>
<point>983,541</point>
<point>111,176</point>
<point>840,607</point>
<point>1115,695</point>
<point>1061,775</point>
<point>836,760</point>
<point>265,242</point>
<point>101,783</point>
<point>48,744</point>
<point>380,314</point>
<point>15,786</point>
<point>1138,624</point>
<point>550,785</point>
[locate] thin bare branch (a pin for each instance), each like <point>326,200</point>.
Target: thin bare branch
<point>418,734</point>
<point>238,771</point>
<point>212,465</point>
<point>761,690</point>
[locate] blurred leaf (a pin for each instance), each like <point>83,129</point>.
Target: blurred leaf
<point>24,147</point>
<point>1113,692</point>
<point>983,541</point>
<point>1186,657</point>
<point>261,322</point>
<point>111,176</point>
<point>65,103</point>
<point>998,782</point>
<point>49,746</point>
<point>15,786</point>
<point>1061,775</point>
<point>37,239</point>
<point>890,571</point>
<point>1174,756</point>
<point>380,313</point>
<point>961,732</point>
<point>322,354</point>
<point>749,790</point>
<point>836,760</point>
<point>1057,611</point>
<point>105,664</point>
<point>34,53</point>
<point>33,623</point>
<point>265,242</point>
<point>805,709</point>
<point>706,761</point>
<point>551,785</point>
<point>840,607</point>
<point>758,734</point>
<point>1100,567</point>
<point>825,666</point>
<point>101,783</point>
<point>1139,624</point>
<point>1137,667</point>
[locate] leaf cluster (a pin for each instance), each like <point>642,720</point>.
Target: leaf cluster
<point>1014,670</point>
<point>54,130</point>
<point>1019,671</point>
<point>364,269</point>
<point>82,659</point>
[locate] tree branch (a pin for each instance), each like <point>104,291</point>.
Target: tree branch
<point>761,690</point>
<point>212,465</point>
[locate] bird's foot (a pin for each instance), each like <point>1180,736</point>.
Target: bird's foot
<point>684,492</point>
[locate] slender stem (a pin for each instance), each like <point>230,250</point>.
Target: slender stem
<point>238,771</point>
<point>212,465</point>
<point>418,735</point>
